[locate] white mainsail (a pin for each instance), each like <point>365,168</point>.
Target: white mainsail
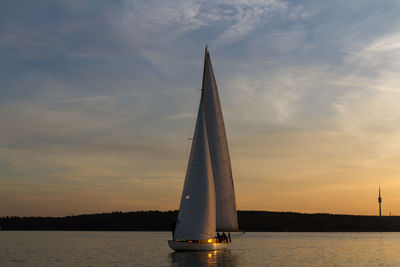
<point>219,153</point>
<point>208,198</point>
<point>196,218</point>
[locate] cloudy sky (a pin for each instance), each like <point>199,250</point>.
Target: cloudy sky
<point>98,100</point>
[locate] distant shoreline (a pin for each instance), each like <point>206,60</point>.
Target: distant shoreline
<point>249,221</point>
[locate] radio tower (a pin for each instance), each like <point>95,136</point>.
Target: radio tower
<point>380,201</point>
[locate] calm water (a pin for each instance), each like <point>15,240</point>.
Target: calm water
<point>34,248</point>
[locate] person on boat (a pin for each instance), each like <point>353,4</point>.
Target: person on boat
<point>224,238</point>
<point>219,239</point>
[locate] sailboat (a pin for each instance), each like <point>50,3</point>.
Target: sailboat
<point>208,198</point>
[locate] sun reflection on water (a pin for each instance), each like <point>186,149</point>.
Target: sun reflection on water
<point>203,258</point>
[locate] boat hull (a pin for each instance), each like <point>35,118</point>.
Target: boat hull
<point>194,246</point>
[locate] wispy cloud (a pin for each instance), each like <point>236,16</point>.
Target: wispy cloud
<point>178,116</point>
<point>227,21</point>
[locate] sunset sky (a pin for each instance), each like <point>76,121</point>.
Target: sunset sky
<point>98,100</point>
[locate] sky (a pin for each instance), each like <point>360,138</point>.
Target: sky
<point>98,99</point>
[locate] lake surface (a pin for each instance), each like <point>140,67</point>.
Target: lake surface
<point>58,248</point>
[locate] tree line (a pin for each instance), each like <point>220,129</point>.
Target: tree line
<point>249,221</point>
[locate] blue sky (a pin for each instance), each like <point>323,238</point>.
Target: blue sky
<point>98,99</point>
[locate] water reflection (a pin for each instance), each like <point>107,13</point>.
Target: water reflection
<point>203,258</point>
